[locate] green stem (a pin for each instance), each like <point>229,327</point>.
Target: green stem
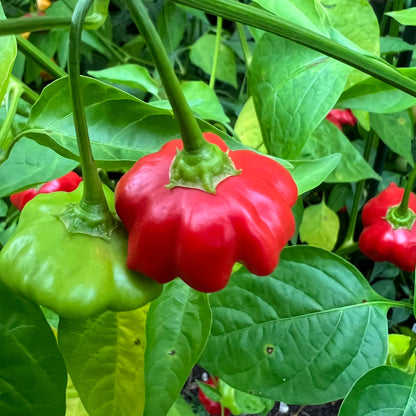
<point>93,199</point>
<point>245,14</point>
<point>27,92</point>
<point>349,235</point>
<point>216,52</point>
<point>244,44</point>
<point>39,57</point>
<point>403,359</point>
<point>403,208</point>
<point>6,140</point>
<point>190,131</point>
<point>18,25</point>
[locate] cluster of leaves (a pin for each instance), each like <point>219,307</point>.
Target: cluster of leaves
<point>316,329</point>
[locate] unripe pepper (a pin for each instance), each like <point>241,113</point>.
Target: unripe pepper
<point>73,274</point>
<point>66,183</point>
<point>387,236</point>
<point>198,236</point>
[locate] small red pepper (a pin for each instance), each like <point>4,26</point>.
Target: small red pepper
<point>211,406</point>
<point>341,117</point>
<point>198,236</point>
<point>385,237</point>
<point>66,183</point>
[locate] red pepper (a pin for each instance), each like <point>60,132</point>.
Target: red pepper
<point>341,117</point>
<point>66,183</point>
<point>383,238</point>
<point>212,407</point>
<point>198,236</point>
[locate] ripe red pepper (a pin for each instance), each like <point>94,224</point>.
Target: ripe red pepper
<point>212,407</point>
<point>66,183</point>
<point>341,117</point>
<point>385,239</point>
<point>198,236</point>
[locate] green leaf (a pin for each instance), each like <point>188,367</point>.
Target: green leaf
<point>171,24</point>
<point>74,406</point>
<point>396,131</point>
<point>405,17</point>
<point>8,54</point>
<point>394,45</point>
<point>383,391</point>
<point>247,127</point>
<point>105,358</point>
<point>202,55</point>
<point>32,371</point>
<point>293,89</point>
<point>328,139</point>
<point>3,208</point>
<point>177,329</point>
<point>308,174</point>
<point>31,164</point>
<point>375,96</point>
<point>130,75</point>
<point>180,408</point>
<point>320,226</point>
<point>302,334</point>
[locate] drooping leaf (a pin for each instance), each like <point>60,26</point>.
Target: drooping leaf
<point>320,226</point>
<point>293,89</point>
<point>405,17</point>
<point>383,391</point>
<point>177,329</point>
<point>327,139</point>
<point>32,371</point>
<point>105,359</point>
<point>171,25</point>
<point>303,334</point>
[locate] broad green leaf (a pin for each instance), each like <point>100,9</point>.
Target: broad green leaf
<point>8,54</point>
<point>171,25</point>
<point>320,226</point>
<point>130,75</point>
<point>31,164</point>
<point>293,89</point>
<point>202,55</point>
<point>74,406</point>
<point>399,344</point>
<point>394,45</point>
<point>308,174</point>
<point>383,391</point>
<point>328,139</point>
<point>177,329</point>
<point>202,100</point>
<point>105,358</point>
<point>396,131</point>
<point>247,127</point>
<point>405,17</point>
<point>303,334</point>
<point>375,96</point>
<point>32,371</point>
<point>180,408</point>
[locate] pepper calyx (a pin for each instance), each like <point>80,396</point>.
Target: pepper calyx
<point>203,168</point>
<point>398,220</point>
<point>92,220</point>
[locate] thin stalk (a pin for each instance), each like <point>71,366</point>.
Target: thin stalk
<point>403,359</point>
<point>27,92</point>
<point>190,132</point>
<point>19,25</point>
<point>371,65</point>
<point>93,195</point>
<point>244,43</point>
<point>349,235</point>
<point>39,57</point>
<point>216,52</point>
<point>403,208</point>
<point>5,139</point>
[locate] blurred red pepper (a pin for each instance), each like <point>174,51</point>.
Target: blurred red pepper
<point>66,183</point>
<point>341,117</point>
<point>387,236</point>
<point>211,406</point>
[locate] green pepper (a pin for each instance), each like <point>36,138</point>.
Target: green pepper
<point>73,274</point>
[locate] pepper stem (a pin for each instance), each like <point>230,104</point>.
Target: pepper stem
<point>190,132</point>
<point>403,208</point>
<point>216,52</point>
<point>92,215</point>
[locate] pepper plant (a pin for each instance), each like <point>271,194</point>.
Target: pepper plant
<point>261,154</point>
